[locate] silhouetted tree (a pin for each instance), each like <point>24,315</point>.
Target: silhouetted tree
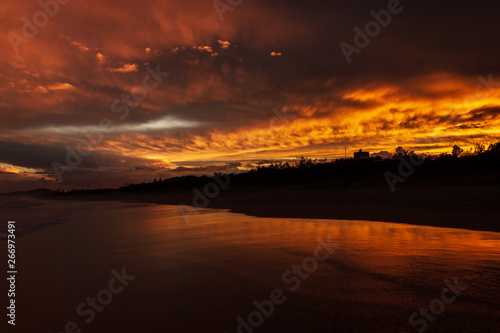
<point>401,152</point>
<point>456,151</point>
<point>479,148</point>
<point>494,147</point>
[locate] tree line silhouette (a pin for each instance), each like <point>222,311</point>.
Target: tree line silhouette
<point>478,167</point>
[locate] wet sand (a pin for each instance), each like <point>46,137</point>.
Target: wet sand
<point>32,213</point>
<point>199,270</point>
<point>468,207</point>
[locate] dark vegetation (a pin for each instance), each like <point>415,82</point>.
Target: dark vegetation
<point>479,168</point>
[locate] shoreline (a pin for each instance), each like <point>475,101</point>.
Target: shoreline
<point>465,207</point>
<point>221,264</point>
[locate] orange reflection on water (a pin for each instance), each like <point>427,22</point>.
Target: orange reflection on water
<point>376,239</point>
<point>375,251</point>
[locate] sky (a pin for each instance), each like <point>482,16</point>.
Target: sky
<point>103,93</point>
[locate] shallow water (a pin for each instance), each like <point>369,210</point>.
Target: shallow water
<point>199,270</point>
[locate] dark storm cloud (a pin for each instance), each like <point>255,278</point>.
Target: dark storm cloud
<point>484,114</point>
<point>224,79</point>
<point>39,156</point>
<point>426,37</point>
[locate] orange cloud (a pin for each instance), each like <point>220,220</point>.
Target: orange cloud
<point>125,68</point>
<point>100,57</point>
<point>431,124</point>
<point>224,44</point>
<point>9,169</point>
<point>379,103</point>
<point>60,86</point>
<point>177,49</point>
<point>41,89</point>
<point>80,46</point>
<point>205,49</point>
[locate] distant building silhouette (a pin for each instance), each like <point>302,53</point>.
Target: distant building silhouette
<point>361,154</point>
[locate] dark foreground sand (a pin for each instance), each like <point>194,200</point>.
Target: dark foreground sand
<point>201,272</point>
<point>468,207</point>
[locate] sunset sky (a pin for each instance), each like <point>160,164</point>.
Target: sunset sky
<point>254,80</point>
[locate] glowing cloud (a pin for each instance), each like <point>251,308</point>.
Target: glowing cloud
<point>204,49</point>
<point>60,86</point>
<point>80,46</point>
<point>100,57</point>
<point>125,68</point>
<point>41,89</point>
<point>224,44</point>
<point>418,89</point>
<point>177,49</point>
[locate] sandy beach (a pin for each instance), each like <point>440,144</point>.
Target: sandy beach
<point>468,207</point>
<point>200,272</point>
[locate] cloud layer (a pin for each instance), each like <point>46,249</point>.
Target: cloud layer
<point>269,81</point>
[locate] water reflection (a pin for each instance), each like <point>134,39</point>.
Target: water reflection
<point>419,255</point>
<point>199,271</point>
